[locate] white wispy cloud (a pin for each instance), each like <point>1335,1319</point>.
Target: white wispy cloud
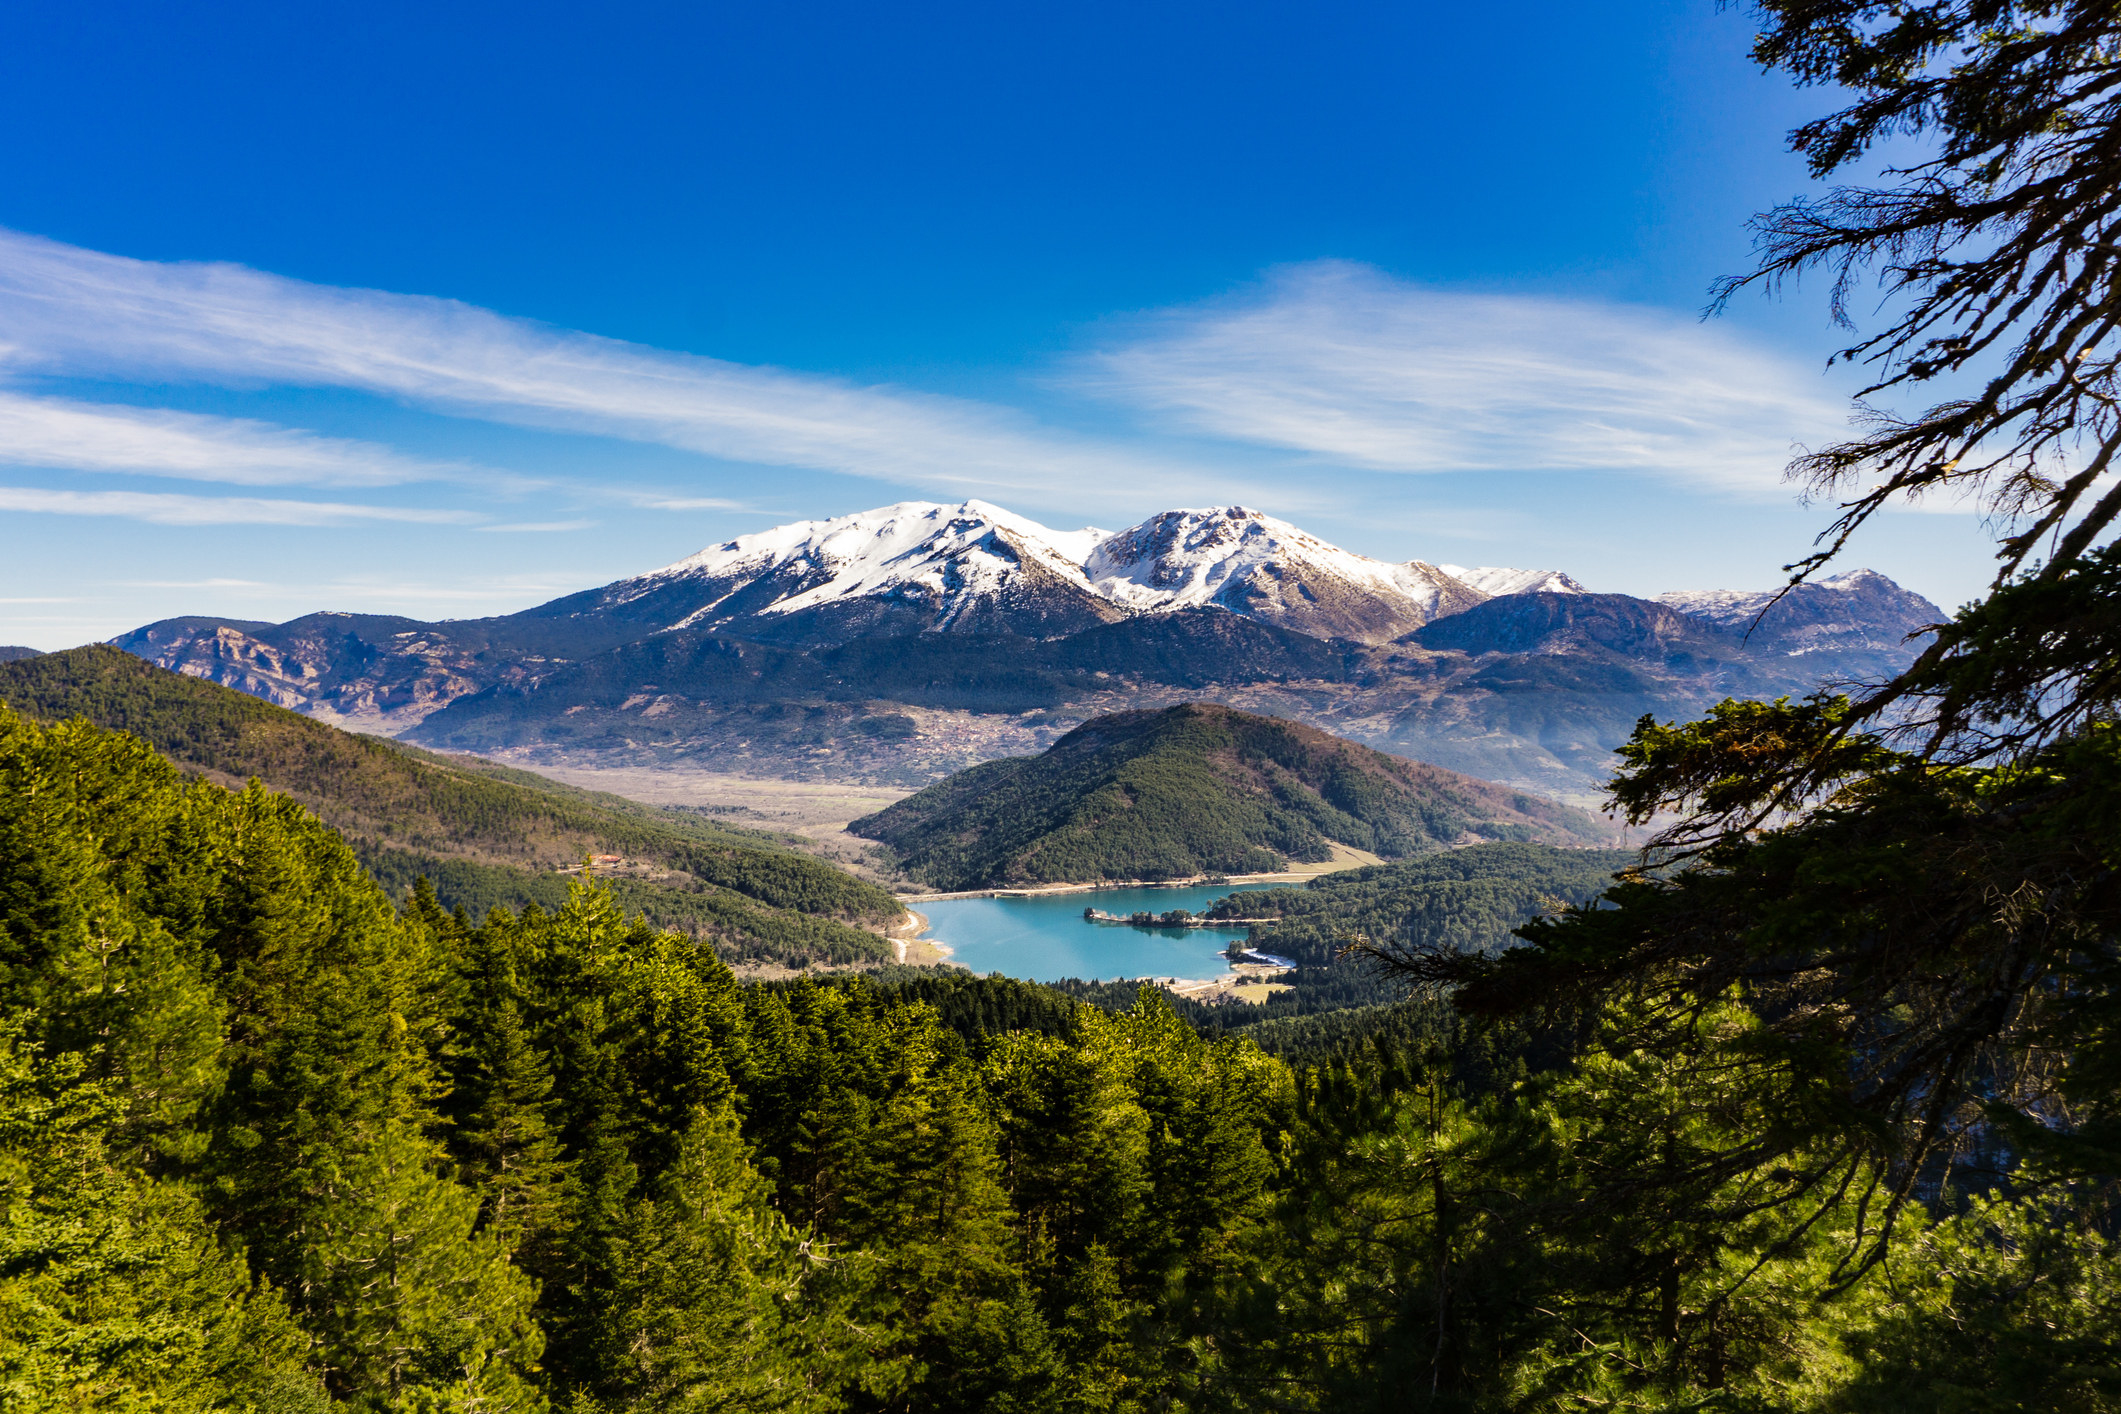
<point>650,501</point>
<point>216,583</point>
<point>68,310</point>
<point>1349,365</point>
<point>161,508</point>
<point>83,436</point>
<point>536,526</point>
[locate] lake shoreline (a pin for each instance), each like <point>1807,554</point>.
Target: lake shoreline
<point>1042,935</point>
<point>1211,881</point>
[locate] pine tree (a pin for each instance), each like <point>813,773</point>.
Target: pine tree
<point>507,1147</point>
<point>412,1305</point>
<point>92,815</point>
<point>114,1292</point>
<point>1075,1144</point>
<point>712,1301</point>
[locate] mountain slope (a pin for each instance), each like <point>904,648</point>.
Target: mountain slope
<point>1552,624</point>
<point>14,652</point>
<point>484,834</point>
<point>1860,611</point>
<point>1266,569</point>
<point>908,568</point>
<point>1497,579</point>
<point>1469,900</point>
<point>901,644</point>
<point>914,567</point>
<point>1195,789</point>
<point>370,671</point>
<point>676,684</point>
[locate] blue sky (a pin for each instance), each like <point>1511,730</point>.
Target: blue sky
<point>447,309</point>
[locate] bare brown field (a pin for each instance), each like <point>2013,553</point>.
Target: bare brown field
<point>812,808</point>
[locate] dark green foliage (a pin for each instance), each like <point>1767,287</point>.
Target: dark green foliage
<point>263,1024</point>
<point>702,1302</point>
<point>1192,790</point>
<point>268,1142</point>
<point>113,1290</point>
<point>1350,1033</point>
<point>981,1007</point>
<point>740,928</point>
<point>485,835</point>
<point>1467,900</point>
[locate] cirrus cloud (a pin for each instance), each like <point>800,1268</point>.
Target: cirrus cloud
<point>162,508</point>
<point>64,309</point>
<point>1348,365</point>
<point>82,436</point>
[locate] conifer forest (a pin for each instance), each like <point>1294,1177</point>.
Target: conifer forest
<point>1815,1107</point>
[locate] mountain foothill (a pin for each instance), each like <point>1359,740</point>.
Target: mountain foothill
<point>481,834</point>
<point>907,643</point>
<point>1196,790</point>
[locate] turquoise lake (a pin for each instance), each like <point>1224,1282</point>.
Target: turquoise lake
<point>1045,939</point>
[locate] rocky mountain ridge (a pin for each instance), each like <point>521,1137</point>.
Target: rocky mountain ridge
<point>973,567</point>
<point>905,643</point>
<point>1858,609</point>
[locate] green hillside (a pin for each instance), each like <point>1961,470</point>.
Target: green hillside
<point>485,835</point>
<point>1466,900</point>
<point>1197,789</point>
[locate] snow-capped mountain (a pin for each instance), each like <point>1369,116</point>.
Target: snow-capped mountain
<point>1859,609</point>
<point>1238,559</point>
<point>912,567</point>
<point>949,551</point>
<point>1494,580</point>
<point>973,567</point>
<point>780,635</point>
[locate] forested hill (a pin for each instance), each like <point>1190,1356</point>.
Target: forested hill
<point>11,652</point>
<point>1197,789</point>
<point>485,835</point>
<point>1468,900</point>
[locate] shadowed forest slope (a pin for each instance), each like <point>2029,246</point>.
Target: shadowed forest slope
<point>485,835</point>
<point>1197,789</point>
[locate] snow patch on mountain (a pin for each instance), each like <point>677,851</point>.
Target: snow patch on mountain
<point>1495,580</point>
<point>949,556</point>
<point>964,559</point>
<point>1241,559</point>
<point>1858,609</point>
<point>973,566</point>
<point>1735,606</point>
<point>1185,558</point>
<point>873,551</point>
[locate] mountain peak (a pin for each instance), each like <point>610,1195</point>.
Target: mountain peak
<point>1237,558</point>
<point>909,567</point>
<point>1856,608</point>
<point>1495,580</point>
<point>919,566</point>
<point>873,538</point>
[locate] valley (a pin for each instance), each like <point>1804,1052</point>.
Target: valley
<point>802,807</point>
